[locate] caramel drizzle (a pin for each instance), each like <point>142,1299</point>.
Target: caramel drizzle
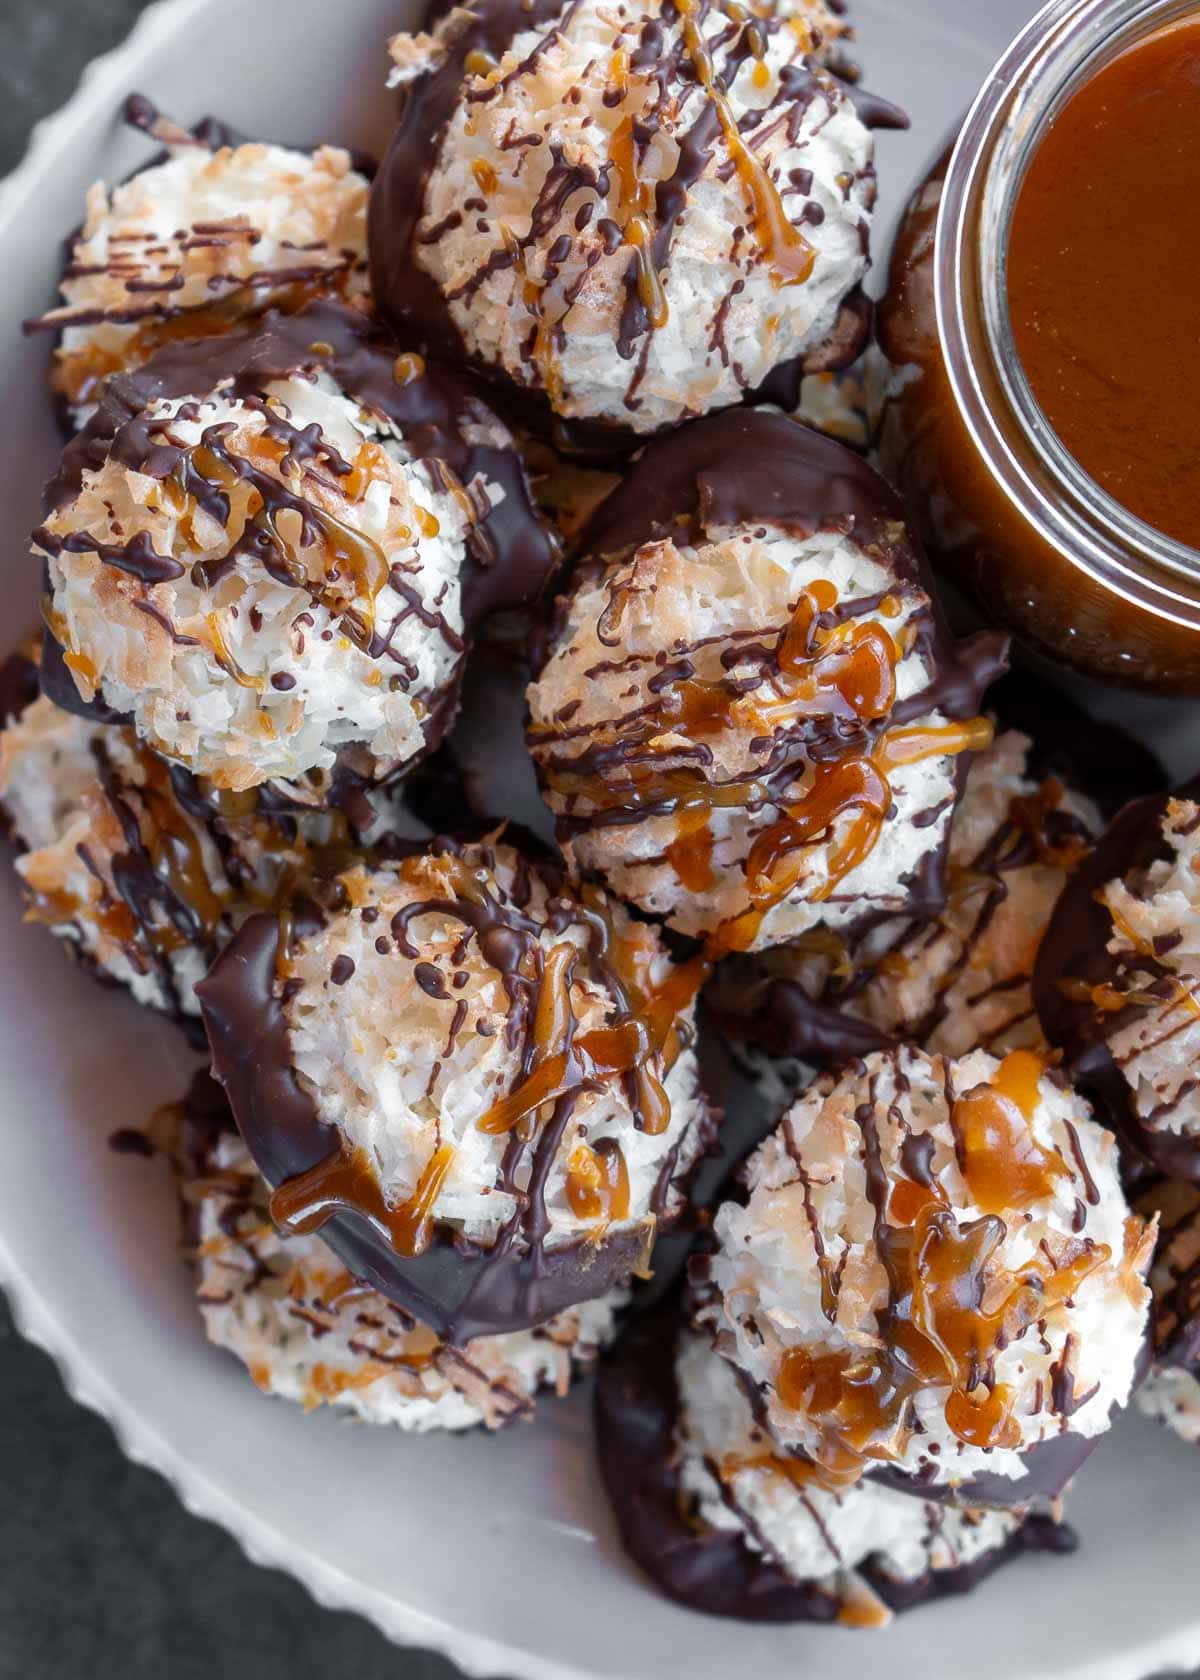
<point>597,1183</point>
<point>951,1308</point>
<point>788,255</point>
<point>348,1181</point>
<point>212,478</point>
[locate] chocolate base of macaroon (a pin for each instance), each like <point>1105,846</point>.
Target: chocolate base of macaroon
<point>458,1288</point>
<point>716,1572</point>
<point>1075,953</point>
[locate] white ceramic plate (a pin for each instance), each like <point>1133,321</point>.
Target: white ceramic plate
<point>499,1552</point>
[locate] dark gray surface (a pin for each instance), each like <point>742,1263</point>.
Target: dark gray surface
<point>102,1573</point>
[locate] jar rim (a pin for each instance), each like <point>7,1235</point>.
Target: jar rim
<point>1066,43</point>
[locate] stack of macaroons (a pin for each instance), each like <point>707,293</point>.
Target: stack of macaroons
<point>932,1289</point>
<point>458,1093</point>
<point>306,1331</point>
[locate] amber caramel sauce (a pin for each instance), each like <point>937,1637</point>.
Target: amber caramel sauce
<point>597,1183</point>
<point>1003,1164</point>
<point>1103,253</point>
<point>347,1180</point>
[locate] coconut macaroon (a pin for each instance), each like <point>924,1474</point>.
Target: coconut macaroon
<point>725,1523</point>
<point>489,1077</point>
<point>747,719</point>
<point>131,867</point>
<point>1171,1393</point>
<point>934,1277</point>
<point>634,213</point>
<point>210,233</point>
<point>957,981</point>
<point>269,551</point>
<point>291,1313</point>
<point>1118,982</point>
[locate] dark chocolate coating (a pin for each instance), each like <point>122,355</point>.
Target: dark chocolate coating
<point>510,551</point>
<point>709,1570</point>
<point>459,1289</point>
<point>1049,1467</point>
<point>412,299</point>
<point>1176,1284</point>
<point>1075,949</point>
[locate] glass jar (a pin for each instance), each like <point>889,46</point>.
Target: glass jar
<point>1009,516</point>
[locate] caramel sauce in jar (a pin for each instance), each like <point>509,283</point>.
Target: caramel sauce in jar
<point>1002,308</point>
<point>1101,256</point>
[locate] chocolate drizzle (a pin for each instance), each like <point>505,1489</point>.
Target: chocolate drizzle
<point>437,412</point>
<point>408,293</point>
<point>1074,961</point>
<point>710,1570</point>
<point>460,1288</point>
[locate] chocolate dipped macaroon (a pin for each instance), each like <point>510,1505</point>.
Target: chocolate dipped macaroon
<point>269,552</point>
<point>933,1279</point>
<point>288,1310</point>
<point>478,1083</point>
<point>1118,979</point>
<point>956,981</point>
<point>630,216</point>
<point>211,233</point>
<point>725,1523</point>
<point>746,716</point>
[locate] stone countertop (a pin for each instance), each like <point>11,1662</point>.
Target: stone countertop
<point>102,1571</point>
